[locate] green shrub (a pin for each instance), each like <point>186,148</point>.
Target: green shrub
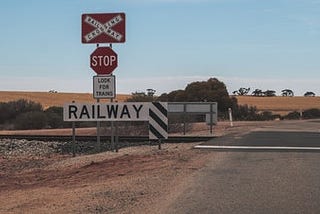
<point>311,113</point>
<point>10,110</point>
<point>30,120</point>
<point>292,116</point>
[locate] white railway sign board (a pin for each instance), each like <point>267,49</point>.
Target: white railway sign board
<point>104,87</point>
<point>106,112</point>
<point>154,112</point>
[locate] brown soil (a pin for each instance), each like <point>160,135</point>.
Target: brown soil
<point>135,180</point>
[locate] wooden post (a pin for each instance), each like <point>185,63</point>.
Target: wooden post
<point>230,117</point>
<point>73,138</point>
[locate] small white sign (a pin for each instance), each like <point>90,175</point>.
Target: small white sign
<point>104,87</point>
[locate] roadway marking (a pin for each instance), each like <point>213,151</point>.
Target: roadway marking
<point>258,147</point>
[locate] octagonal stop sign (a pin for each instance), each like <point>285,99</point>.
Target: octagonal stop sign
<point>103,60</point>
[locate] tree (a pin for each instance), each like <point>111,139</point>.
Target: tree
<point>287,93</point>
<point>242,91</point>
<point>211,90</point>
<point>269,93</point>
<point>142,96</point>
<point>309,94</point>
<point>150,92</point>
<point>173,96</point>
<point>257,92</point>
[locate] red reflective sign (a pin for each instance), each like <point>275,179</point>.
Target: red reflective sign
<point>104,60</point>
<point>103,28</point>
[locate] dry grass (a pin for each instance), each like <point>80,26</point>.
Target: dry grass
<point>280,105</point>
<point>52,99</point>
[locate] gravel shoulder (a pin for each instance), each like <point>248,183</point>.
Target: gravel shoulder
<point>135,180</point>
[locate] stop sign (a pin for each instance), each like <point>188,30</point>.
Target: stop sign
<point>103,60</point>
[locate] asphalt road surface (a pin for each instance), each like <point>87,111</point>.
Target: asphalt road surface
<point>259,181</point>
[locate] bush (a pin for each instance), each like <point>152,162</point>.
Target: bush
<point>292,116</point>
<point>10,110</point>
<point>245,112</point>
<point>311,113</point>
<point>266,115</point>
<point>30,120</point>
<point>54,117</point>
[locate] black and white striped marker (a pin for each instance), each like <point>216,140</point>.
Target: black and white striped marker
<point>158,121</point>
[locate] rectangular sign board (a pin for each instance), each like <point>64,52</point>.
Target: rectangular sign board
<point>106,112</point>
<point>103,28</point>
<point>104,87</point>
<point>210,109</point>
<point>192,107</point>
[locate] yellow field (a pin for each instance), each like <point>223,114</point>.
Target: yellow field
<point>280,105</point>
<point>53,99</point>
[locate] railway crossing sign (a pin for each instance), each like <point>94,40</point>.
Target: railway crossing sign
<point>103,28</point>
<point>104,60</point>
<point>156,113</point>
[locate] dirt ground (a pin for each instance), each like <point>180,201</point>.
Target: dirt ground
<point>134,180</point>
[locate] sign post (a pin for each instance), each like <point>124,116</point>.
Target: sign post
<point>103,28</point>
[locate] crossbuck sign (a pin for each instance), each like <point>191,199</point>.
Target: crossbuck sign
<point>103,28</point>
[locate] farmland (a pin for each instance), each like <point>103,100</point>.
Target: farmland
<point>278,105</point>
<point>47,99</point>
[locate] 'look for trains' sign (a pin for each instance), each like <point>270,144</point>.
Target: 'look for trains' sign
<point>103,28</point>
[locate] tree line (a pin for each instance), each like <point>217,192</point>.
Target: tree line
<point>269,93</point>
<point>24,114</point>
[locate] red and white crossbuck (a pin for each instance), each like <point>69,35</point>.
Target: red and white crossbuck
<point>103,28</point>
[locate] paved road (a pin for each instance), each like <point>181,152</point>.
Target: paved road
<point>259,182</point>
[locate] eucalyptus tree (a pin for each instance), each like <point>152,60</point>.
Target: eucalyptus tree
<point>309,94</point>
<point>287,93</point>
<point>257,93</point>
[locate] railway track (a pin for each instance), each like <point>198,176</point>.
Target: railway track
<point>66,138</point>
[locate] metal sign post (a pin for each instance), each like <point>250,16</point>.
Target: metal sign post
<point>73,138</point>
<point>98,146</point>
<point>210,109</point>
<point>103,28</point>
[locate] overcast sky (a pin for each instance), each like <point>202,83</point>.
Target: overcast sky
<point>265,44</point>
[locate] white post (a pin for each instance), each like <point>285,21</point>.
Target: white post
<point>230,117</point>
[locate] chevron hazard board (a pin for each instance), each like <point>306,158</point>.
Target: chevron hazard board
<point>158,120</point>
